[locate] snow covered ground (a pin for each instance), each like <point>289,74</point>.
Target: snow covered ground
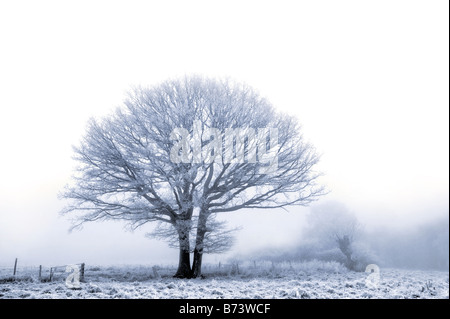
<point>248,280</point>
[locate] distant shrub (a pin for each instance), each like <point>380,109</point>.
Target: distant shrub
<point>330,255</point>
<point>363,257</point>
<point>17,279</point>
<point>273,269</point>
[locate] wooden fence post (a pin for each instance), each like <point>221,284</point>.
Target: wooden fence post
<point>51,273</point>
<point>15,267</point>
<point>82,272</point>
<point>40,272</point>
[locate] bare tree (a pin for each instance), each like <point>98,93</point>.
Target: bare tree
<point>332,225</point>
<point>218,238</point>
<point>186,150</point>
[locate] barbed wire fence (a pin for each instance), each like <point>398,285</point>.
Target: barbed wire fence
<point>41,273</point>
<point>37,273</point>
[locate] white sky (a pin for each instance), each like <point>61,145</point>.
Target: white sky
<point>367,80</point>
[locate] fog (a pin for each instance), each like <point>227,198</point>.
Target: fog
<point>423,244</point>
<point>367,81</point>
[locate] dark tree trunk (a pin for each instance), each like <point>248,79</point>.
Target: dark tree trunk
<point>184,263</point>
<point>198,250</point>
<point>198,254</point>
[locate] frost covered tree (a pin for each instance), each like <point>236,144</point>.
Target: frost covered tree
<point>180,153</point>
<point>331,225</point>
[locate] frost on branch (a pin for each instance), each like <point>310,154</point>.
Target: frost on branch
<point>190,145</point>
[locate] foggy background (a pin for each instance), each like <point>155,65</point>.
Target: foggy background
<point>368,81</point>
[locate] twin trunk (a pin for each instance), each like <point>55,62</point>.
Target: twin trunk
<point>184,265</point>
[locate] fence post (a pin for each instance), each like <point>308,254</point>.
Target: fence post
<point>82,272</point>
<point>40,272</point>
<point>15,267</point>
<point>51,273</point>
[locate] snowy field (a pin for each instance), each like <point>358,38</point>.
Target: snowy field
<point>247,280</point>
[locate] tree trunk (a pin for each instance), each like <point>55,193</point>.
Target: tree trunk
<point>198,254</point>
<point>198,250</point>
<point>184,263</point>
<point>345,247</point>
